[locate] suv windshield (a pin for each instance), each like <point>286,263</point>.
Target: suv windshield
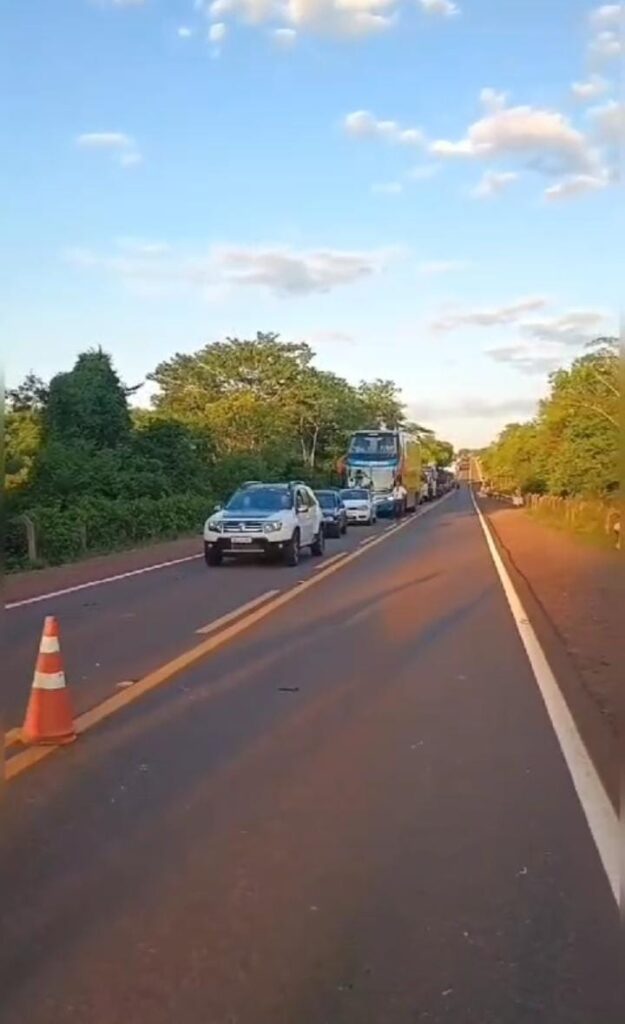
<point>327,499</point>
<point>355,494</point>
<point>260,499</point>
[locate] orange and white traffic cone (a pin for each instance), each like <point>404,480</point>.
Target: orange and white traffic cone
<point>49,718</point>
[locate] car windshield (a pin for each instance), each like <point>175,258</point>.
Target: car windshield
<point>355,494</point>
<point>260,499</point>
<point>327,499</point>
<point>382,445</point>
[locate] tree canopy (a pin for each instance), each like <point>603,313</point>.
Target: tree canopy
<point>572,446</point>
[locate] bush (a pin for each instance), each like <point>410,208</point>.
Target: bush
<point>101,525</point>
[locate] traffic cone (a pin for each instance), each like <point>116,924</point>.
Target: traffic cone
<point>49,717</point>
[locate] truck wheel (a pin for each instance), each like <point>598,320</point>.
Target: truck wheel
<point>212,556</point>
<point>318,545</point>
<point>291,551</point>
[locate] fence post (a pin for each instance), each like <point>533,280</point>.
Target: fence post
<point>31,538</point>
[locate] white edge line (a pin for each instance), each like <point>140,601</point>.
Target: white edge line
<point>596,805</point>
<point>234,614</point>
<point>330,561</point>
<point>97,583</point>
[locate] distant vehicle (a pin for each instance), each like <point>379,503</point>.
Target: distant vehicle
<point>377,459</point>
<point>334,512</point>
<point>359,505</point>
<point>270,519</point>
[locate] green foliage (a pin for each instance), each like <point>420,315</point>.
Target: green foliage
<point>571,448</point>
<point>89,404</point>
<point>95,475</point>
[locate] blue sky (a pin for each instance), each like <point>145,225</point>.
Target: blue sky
<point>423,189</point>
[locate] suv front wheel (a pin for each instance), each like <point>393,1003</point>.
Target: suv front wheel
<point>291,550</point>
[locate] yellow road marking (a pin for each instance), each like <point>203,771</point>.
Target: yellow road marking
<point>26,759</point>
<point>229,616</point>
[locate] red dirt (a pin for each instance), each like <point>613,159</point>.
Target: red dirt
<point>581,591</point>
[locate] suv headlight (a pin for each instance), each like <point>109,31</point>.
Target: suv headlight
<point>214,525</point>
<point>272,526</point>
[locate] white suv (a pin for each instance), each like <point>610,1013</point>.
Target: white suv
<point>273,519</point>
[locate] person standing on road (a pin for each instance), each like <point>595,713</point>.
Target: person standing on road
<point>399,499</point>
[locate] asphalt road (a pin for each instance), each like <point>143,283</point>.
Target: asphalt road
<point>118,632</point>
<point>355,813</point>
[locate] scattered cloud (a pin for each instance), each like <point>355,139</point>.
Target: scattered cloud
<point>362,124</point>
<point>608,123</point>
<point>607,24</point>
<point>544,140</point>
<point>444,8</point>
<point>577,327</point>
<point>526,359</point>
<point>388,188</point>
<point>576,185</point>
<point>285,37</point>
<point>493,183</point>
<point>607,16</point>
<point>442,266</point>
<point>280,270</point>
<point>591,89</point>
<point>324,17</point>
<point>332,338</point>
<point>184,32</point>
<point>123,147</point>
<point>498,315</point>
<point>217,32</point>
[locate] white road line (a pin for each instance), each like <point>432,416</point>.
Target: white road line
<point>97,583</point>
<point>329,561</point>
<point>598,810</point>
<point>236,612</point>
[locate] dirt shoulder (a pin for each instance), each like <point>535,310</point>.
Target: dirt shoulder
<point>578,592</point>
<point>21,586</point>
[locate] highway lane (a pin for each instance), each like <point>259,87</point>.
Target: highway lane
<point>356,814</point>
<point>117,632</point>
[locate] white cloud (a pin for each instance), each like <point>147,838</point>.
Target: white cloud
<point>607,16</point>
<point>388,188</point>
<point>493,183</point>
<point>498,315</point>
<point>285,37</point>
<point>330,17</point>
<point>445,8</point>
<point>283,271</point>
<point>576,185</point>
<point>606,46</point>
<point>123,147</point>
<point>422,172</point>
<point>184,32</point>
<point>608,122</point>
<point>442,266</point>
<point>592,88</point>
<point>217,32</point>
<point>576,327</point>
<point>527,359</point>
<point>362,124</point>
<point>544,140</point>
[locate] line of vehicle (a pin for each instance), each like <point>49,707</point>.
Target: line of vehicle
<point>97,583</point>
<point>19,763</point>
<point>595,802</point>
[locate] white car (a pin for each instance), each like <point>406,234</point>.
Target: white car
<point>270,519</point>
<point>359,505</point>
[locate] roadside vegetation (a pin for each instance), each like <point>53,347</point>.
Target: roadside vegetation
<point>88,471</point>
<point>566,460</point>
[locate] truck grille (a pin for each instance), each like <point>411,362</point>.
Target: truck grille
<point>243,526</point>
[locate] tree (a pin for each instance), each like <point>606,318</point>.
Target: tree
<point>88,405</point>
<point>381,403</point>
<point>29,396</point>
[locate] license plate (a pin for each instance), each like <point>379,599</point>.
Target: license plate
<point>242,540</point>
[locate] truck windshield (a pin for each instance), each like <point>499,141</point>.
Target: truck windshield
<point>382,445</point>
<point>260,499</point>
